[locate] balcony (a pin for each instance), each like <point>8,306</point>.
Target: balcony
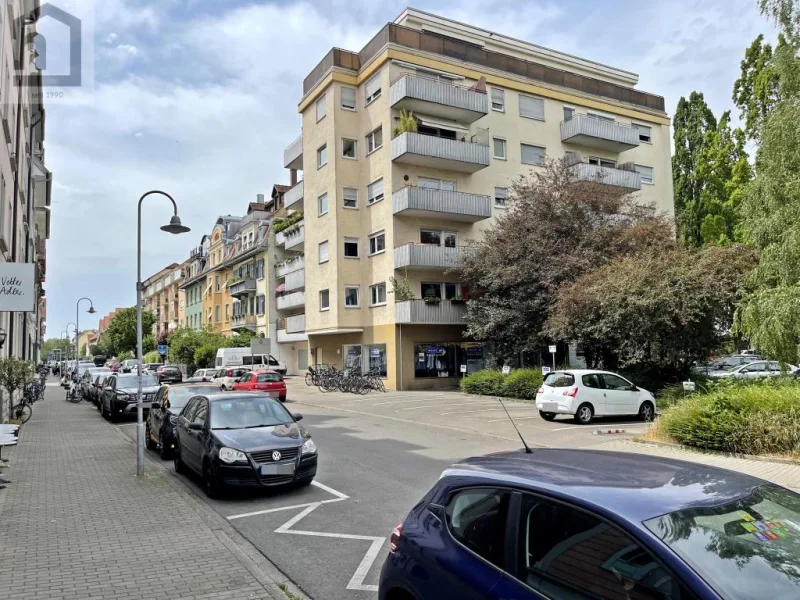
<point>294,197</point>
<point>441,204</point>
<point>623,179</point>
<point>428,256</point>
<point>293,300</point>
<point>292,329</point>
<point>293,237</point>
<point>418,312</point>
<point>599,133</point>
<point>290,266</point>
<point>240,322</point>
<point>293,155</point>
<point>439,153</point>
<point>295,281</point>
<point>242,288</point>
<point>438,99</point>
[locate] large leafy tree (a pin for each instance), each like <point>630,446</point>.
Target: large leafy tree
<point>51,344</point>
<point>757,90</point>
<point>120,335</point>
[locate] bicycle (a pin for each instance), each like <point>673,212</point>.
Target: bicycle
<point>74,394</point>
<point>22,411</point>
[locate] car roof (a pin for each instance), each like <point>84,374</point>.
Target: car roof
<point>633,486</point>
<point>262,371</point>
<point>583,372</point>
<point>219,396</point>
<point>192,384</point>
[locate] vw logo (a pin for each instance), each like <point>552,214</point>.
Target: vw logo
<point>276,455</point>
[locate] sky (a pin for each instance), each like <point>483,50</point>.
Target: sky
<point>199,98</point>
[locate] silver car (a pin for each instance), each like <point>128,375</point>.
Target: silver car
<point>761,368</point>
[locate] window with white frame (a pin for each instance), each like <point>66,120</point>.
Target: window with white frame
<point>351,247</point>
<point>445,185</point>
<point>375,191</point>
<point>322,108</point>
<point>532,155</point>
<point>602,162</point>
<point>531,108</point>
<point>322,204</point>
<point>349,148</point>
<point>348,98</point>
<point>498,99</point>
<point>645,174</point>
<point>323,252</point>
<point>600,117</point>
<point>322,156</point>
<point>372,89</point>
<point>569,112</point>
<point>437,237</point>
<point>377,294</point>
<point>500,197</point>
<point>374,139</point>
<point>350,197</point>
<point>377,242</point>
<point>324,299</point>
<point>644,133</point>
<point>499,146</point>
<point>351,296</point>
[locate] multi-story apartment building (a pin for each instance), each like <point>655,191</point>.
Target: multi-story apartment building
<point>162,295</point>
<point>381,203</point>
<point>194,282</point>
<point>217,300</point>
<point>106,321</point>
<point>25,182</point>
<point>248,284</point>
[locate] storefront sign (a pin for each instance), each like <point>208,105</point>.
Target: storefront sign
<point>435,351</point>
<point>17,287</point>
<point>475,351</point>
<point>375,352</point>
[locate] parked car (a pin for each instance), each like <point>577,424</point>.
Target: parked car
<point>120,395</point>
<point>225,378</point>
<point>169,374</point>
<point>99,360</point>
<point>586,394</point>
<point>87,380</point>
<point>262,381</point>
<point>243,439</point>
<point>202,376</point>
<point>128,365</point>
<point>561,523</point>
<point>164,411</point>
<point>758,370</point>
<point>152,368</point>
<point>720,367</point>
<point>97,388</point>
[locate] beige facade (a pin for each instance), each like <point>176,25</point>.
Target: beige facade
<point>162,296</point>
<point>378,206</point>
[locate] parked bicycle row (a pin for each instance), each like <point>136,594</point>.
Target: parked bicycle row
<point>328,379</point>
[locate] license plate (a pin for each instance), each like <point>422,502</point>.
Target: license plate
<point>547,406</point>
<point>277,469</point>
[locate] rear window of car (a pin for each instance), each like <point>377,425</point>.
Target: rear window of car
<point>268,377</point>
<point>559,380</point>
<point>169,369</point>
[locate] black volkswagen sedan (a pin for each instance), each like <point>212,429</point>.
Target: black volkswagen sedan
<point>243,439</point>
<point>168,404</point>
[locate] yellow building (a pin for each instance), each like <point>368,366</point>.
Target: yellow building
<point>163,296</point>
<point>488,108</point>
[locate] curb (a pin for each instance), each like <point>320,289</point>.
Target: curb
<point>692,449</point>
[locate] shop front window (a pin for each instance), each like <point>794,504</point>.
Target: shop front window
<point>376,356</point>
<point>436,360</point>
<point>352,357</point>
<point>366,358</point>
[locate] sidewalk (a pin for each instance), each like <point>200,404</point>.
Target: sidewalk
<point>76,523</point>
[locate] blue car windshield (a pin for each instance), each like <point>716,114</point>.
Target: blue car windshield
<point>745,549</point>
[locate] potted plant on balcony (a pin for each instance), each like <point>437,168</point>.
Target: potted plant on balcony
<point>402,289</point>
<point>407,124</point>
<point>432,300</point>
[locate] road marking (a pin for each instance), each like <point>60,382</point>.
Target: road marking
<point>441,405</point>
<point>401,402</point>
<point>463,412</point>
<point>584,426</point>
<point>339,497</point>
<point>330,490</point>
<point>515,418</point>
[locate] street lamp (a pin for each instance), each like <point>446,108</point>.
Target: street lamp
<point>175,227</point>
<point>91,311</point>
<point>67,332</point>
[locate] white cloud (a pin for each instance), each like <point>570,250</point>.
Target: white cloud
<point>111,38</point>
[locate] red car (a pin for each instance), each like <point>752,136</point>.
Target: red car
<point>262,381</point>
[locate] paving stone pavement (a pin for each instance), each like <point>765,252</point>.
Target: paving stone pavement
<point>77,524</point>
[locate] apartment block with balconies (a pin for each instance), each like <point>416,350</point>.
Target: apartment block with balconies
<point>409,149</point>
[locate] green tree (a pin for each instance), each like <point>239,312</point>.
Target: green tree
<point>205,356</point>
<point>757,90</point>
<point>184,344</point>
<point>152,357</point>
<point>15,374</point>
<point>51,344</point>
<point>120,336</point>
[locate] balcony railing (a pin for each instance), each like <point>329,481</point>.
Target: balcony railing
<point>294,197</point>
<point>292,329</point>
<point>242,288</point>
<point>441,204</point>
<point>292,300</point>
<point>294,237</point>
<point>290,266</point>
<point>438,99</point>
<point>428,256</point>
<point>592,132</point>
<point>619,178</point>
<point>244,322</point>
<point>293,155</point>
<point>420,312</point>
<point>295,280</point>
<point>441,153</point>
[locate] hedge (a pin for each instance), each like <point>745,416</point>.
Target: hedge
<point>520,383</point>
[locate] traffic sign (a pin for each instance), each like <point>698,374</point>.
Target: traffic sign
<point>689,386</point>
<point>506,370</point>
<point>545,370</point>
<point>162,349</point>
<point>553,349</point>
<point>463,368</point>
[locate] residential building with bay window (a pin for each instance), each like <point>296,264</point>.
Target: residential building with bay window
<point>379,202</point>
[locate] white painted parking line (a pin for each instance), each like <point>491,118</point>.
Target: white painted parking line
<point>473,403</point>
<point>515,418</point>
<point>628,425</point>
<point>330,490</point>
<point>463,412</point>
<point>339,497</point>
<point>402,401</point>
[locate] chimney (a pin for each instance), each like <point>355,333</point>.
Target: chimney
<point>293,176</point>
<point>260,198</point>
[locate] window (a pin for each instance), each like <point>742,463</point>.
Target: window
<point>500,197</point>
<point>532,155</point>
<point>431,290</point>
<point>322,204</point>
<point>499,148</point>
<point>645,174</point>
<point>644,132</point>
<point>350,247</point>
<point>351,299</point>
<point>349,148</point>
<point>565,552</point>
<point>348,98</point>
<point>350,197</point>
<point>531,108</point>
<point>216,314</point>
<point>498,99</point>
<point>375,191</point>
<point>261,304</point>
<point>322,108</point>
<point>569,112</point>
<point>323,252</point>
<point>324,300</point>
<point>591,381</point>
<point>374,140</point>
<point>377,294</point>
<point>372,89</point>
<point>602,162</point>
<point>477,519</point>
<point>322,156</point>
<point>448,239</point>
<point>216,282</point>
<point>613,382</point>
<point>436,184</point>
<point>377,243</point>
<point>600,117</point>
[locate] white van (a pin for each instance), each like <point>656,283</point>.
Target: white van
<point>243,357</point>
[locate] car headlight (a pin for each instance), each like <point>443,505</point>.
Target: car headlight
<point>309,447</point>
<point>229,455</point>
<point>173,419</point>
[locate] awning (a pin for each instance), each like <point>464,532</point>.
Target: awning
<point>442,124</point>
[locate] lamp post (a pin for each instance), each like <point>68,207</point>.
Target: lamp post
<point>91,311</point>
<point>67,332</point>
<point>175,227</point>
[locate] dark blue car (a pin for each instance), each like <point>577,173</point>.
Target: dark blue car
<point>580,524</point>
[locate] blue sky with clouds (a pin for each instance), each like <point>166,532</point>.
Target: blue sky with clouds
<point>199,98</point>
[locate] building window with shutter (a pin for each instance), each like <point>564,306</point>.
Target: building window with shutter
<point>532,155</point>
<point>348,98</point>
<point>645,174</point>
<point>500,197</point>
<point>531,108</point>
<point>498,99</point>
<point>350,197</point>
<point>644,133</point>
<point>322,108</point>
<point>375,191</point>
<point>372,89</point>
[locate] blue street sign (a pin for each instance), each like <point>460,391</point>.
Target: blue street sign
<point>162,349</point>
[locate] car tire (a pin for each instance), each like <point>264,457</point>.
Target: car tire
<point>148,439</point>
<point>211,484</point>
<point>584,414</point>
<point>647,412</point>
<point>547,416</point>
<point>223,388</point>
<point>163,451</point>
<point>103,410</point>
<point>180,468</point>
<point>282,398</point>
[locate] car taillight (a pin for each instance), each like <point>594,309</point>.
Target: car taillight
<point>397,532</point>
<point>571,392</point>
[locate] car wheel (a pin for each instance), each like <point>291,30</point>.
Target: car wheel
<point>163,451</point>
<point>223,388</point>
<point>282,398</point>
<point>584,414</point>
<point>547,416</point>
<point>148,437</point>
<point>103,410</point>
<point>647,411</point>
<point>211,484</point>
<point>178,463</point>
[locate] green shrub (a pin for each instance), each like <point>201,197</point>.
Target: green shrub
<point>522,383</point>
<point>486,382</point>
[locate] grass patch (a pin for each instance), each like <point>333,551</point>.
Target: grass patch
<point>520,383</point>
<point>285,589</point>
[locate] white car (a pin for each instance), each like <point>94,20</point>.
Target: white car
<point>202,376</point>
<point>758,369</point>
<point>586,394</point>
<point>225,378</point>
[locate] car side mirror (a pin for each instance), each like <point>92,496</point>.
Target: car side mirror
<point>297,417</point>
<point>155,406</point>
<point>633,388</point>
<point>196,426</point>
